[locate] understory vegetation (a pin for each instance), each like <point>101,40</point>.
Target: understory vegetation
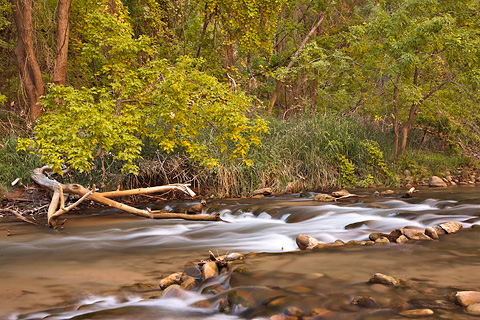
<point>317,153</point>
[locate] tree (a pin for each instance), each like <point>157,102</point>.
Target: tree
<point>421,55</point>
<point>137,96</point>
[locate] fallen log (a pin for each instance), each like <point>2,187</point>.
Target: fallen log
<point>57,203</point>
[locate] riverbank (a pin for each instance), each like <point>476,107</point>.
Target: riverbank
<point>318,153</point>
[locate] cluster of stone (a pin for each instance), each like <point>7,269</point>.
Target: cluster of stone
<point>192,277</point>
<point>469,300</point>
<point>306,242</point>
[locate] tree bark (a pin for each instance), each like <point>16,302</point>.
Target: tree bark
<point>63,31</point>
<point>278,85</point>
<point>25,58</point>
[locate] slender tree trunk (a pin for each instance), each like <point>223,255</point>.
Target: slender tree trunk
<point>294,59</point>
<point>25,58</point>
<point>395,115</point>
<point>63,31</point>
<point>206,22</point>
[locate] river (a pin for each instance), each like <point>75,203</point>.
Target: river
<point>91,269</point>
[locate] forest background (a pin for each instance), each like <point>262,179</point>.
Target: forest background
<point>231,96</point>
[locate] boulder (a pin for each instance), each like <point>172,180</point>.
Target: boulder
<point>305,242</point>
<point>263,191</point>
<point>377,235</point>
<point>466,298</point>
<point>340,193</point>
<point>435,181</point>
<point>322,197</point>
<point>451,227</point>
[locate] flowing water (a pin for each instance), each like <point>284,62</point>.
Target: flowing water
<point>93,268</point>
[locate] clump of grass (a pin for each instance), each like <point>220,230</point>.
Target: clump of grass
<point>14,164</point>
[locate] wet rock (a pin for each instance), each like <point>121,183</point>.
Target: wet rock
<point>174,291</point>
<point>283,317</point>
<point>209,269</point>
<point>305,242</point>
<point>401,239</point>
<point>415,234</point>
<point>376,206</point>
<point>322,197</point>
<point>466,298</point>
<point>278,303</point>
<point>340,193</point>
<point>263,191</point>
<point>387,280</point>
<point>365,302</point>
<point>357,224</point>
<point>188,283</point>
<point>377,235</point>
<point>213,289</point>
<point>203,304</point>
<point>435,181</point>
<point>433,304</point>
<point>395,234</point>
<point>451,227</point>
<point>294,311</point>
<point>431,232</point>
<point>438,230</point>
<point>387,192</point>
<point>198,208</point>
<point>473,309</point>
<point>224,307</point>
<point>194,272</point>
<point>414,313</point>
<point>174,278</point>
<point>382,240</point>
<point>354,242</point>
<point>320,312</point>
<point>234,256</point>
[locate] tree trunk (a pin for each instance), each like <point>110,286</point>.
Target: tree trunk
<point>294,59</point>
<point>63,31</point>
<point>25,58</point>
<point>395,115</point>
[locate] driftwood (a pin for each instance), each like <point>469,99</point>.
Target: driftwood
<point>57,204</point>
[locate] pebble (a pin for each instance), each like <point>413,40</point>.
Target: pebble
<point>283,317</point>
<point>305,242</point>
<point>294,311</point>
<point>466,298</point>
<point>365,302</point>
<point>384,279</point>
<point>417,313</point>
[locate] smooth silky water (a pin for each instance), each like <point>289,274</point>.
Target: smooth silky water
<point>84,271</point>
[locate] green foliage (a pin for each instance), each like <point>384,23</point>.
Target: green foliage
<point>14,164</point>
